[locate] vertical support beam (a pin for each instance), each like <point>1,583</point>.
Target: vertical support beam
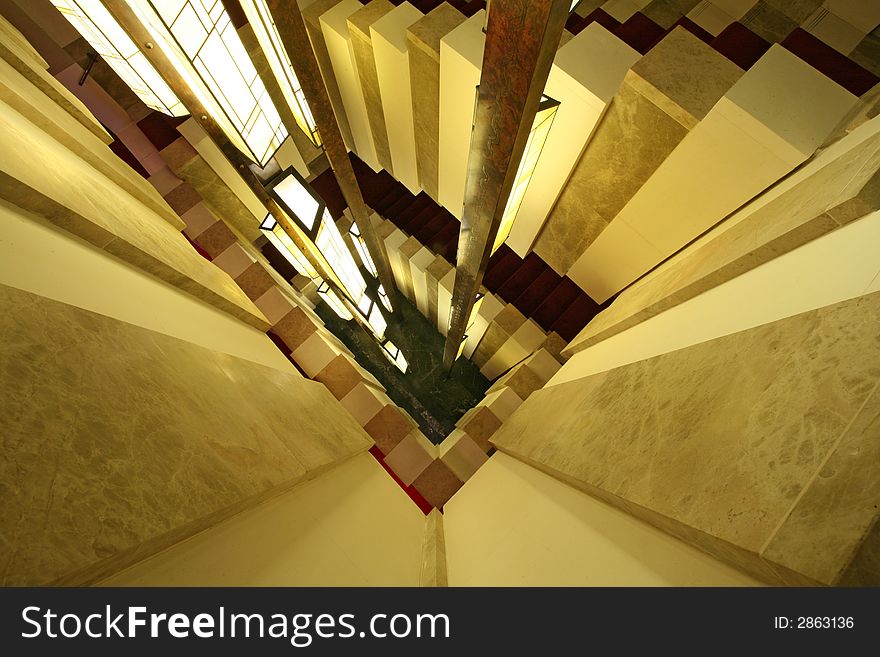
<point>522,37</point>
<point>128,20</point>
<point>292,29</point>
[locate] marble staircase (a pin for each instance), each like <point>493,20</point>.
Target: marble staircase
<point>552,301</point>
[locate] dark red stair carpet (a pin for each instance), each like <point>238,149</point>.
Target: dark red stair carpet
<point>554,302</point>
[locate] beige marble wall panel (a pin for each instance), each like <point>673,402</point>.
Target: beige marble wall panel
<point>361,42</point>
<point>423,38</point>
<point>838,186</point>
<point>662,98</point>
<point>768,22</point>
<point>21,89</point>
<point>215,193</point>
<point>433,572</point>
<point>15,50</point>
<point>864,570</point>
<point>119,440</point>
<point>820,536</point>
<point>312,18</point>
<point>666,12</point>
<point>729,437</point>
<point>755,135</point>
<point>407,251</point>
<point>77,198</point>
<point>435,273</point>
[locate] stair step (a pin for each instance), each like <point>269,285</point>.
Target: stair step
<point>525,275</point>
<point>502,265</point>
<point>395,209</point>
<point>693,28</point>
<point>602,17</point>
<point>408,216</point>
<point>417,222</point>
<point>740,45</point>
<point>445,243</point>
<point>556,303</point>
<point>640,32</point>
<point>829,61</point>
<point>432,226</point>
<point>576,317</point>
<point>536,293</point>
<point>382,204</point>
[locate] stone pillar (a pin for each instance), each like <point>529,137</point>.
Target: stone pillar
<point>423,40</point>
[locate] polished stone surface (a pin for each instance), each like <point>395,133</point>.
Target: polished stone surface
<point>433,573</point>
<point>840,185</point>
<point>630,143</point>
<point>79,199</point>
<point>423,40</point>
<point>768,22</point>
<point>683,76</point>
<point>216,194</point>
<point>723,443</point>
<point>362,47</point>
<point>434,400</point>
<point>666,12</point>
<point>311,16</point>
<point>663,97</point>
<point>118,441</point>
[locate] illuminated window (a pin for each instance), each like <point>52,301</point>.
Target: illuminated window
<point>200,39</point>
<point>310,213</point>
<point>393,353</point>
<point>332,300</point>
<point>260,19</point>
<point>287,247</point>
<point>535,144</point>
<point>92,20</point>
<point>383,297</point>
<point>361,247</point>
<point>475,310</point>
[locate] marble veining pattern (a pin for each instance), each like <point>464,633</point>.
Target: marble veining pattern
<point>724,436</point>
<point>114,436</point>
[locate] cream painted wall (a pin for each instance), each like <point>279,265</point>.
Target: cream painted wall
<point>351,526</point>
<point>512,525</point>
<point>838,266</point>
<point>335,28</point>
<point>37,257</point>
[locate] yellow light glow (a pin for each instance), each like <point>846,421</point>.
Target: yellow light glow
<point>361,247</point>
<point>332,246</point>
<point>92,20</point>
<point>287,247</point>
<point>260,19</point>
<point>200,40</point>
<point>393,353</point>
<point>383,297</point>
<point>329,296</point>
<point>377,322</point>
<point>535,144</point>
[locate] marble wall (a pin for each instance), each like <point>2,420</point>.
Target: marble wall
<point>362,48</point>
<point>758,447</point>
<point>423,41</point>
<point>118,441</point>
<point>90,193</point>
<point>839,185</point>
<point>662,98</point>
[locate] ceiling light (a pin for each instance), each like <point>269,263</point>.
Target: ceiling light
<point>92,20</point>
<point>260,19</point>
